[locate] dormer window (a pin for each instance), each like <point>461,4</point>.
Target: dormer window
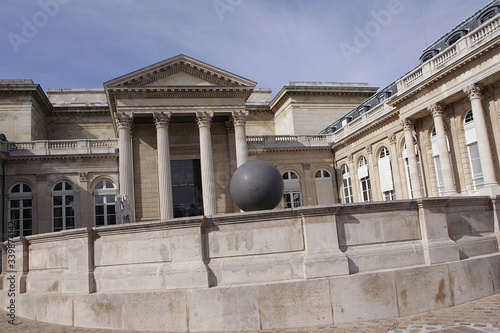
<point>363,109</point>
<point>428,55</point>
<point>454,37</point>
<point>383,96</point>
<point>488,13</point>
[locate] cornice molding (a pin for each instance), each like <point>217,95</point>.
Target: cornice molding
<point>256,151</point>
<point>345,141</point>
<point>61,157</point>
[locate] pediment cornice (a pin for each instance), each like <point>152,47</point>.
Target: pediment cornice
<point>181,63</point>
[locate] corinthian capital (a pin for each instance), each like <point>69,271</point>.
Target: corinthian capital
<point>473,91</point>
<point>436,110</point>
<point>407,124</point>
<point>204,118</point>
<point>124,120</point>
<point>162,119</point>
<point>240,118</point>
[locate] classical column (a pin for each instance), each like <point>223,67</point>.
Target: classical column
<point>204,120</point>
<point>162,120</point>
<point>239,120</point>
<point>412,158</point>
<point>483,142</point>
<point>126,167</point>
<point>436,111</point>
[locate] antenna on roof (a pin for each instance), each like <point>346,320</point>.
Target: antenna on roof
<point>423,25</point>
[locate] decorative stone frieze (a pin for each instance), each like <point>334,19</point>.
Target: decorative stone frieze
<point>240,118</point>
<point>124,120</point>
<point>407,124</point>
<point>84,176</point>
<point>162,119</point>
<point>436,110</point>
<point>473,91</point>
<point>392,138</point>
<point>41,177</point>
<point>204,118</point>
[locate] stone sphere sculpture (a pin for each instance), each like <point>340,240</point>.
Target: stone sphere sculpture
<point>256,185</point>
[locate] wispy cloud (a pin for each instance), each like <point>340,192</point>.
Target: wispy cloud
<point>269,41</point>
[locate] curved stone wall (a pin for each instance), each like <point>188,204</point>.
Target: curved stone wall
<point>263,270</point>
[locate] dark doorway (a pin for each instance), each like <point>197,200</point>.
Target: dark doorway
<point>186,187</point>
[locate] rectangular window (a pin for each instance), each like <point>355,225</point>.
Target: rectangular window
<point>475,162</point>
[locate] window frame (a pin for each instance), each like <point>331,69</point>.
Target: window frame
<point>22,196</point>
<point>105,192</point>
<point>64,193</point>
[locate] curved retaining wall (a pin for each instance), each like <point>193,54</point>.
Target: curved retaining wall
<point>265,270</point>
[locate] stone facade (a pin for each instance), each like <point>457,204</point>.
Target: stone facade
<point>119,197</point>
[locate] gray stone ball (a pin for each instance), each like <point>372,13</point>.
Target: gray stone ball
<point>256,185</point>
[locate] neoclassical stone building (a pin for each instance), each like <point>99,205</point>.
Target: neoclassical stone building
<point>166,139</point>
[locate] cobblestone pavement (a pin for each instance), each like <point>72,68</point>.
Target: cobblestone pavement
<point>474,317</point>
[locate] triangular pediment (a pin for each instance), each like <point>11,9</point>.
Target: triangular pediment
<point>179,71</point>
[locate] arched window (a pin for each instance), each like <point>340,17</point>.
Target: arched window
<point>292,195</point>
<point>488,14</point>
<point>20,210</point>
<point>437,161</point>
<point>63,206</point>
<point>407,170</point>
<point>473,150</point>
<point>385,174</point>
<point>324,187</point>
<point>454,37</point>
<point>364,180</point>
<point>104,203</point>
<point>347,185</point>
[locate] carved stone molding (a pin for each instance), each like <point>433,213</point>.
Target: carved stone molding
<point>240,118</point>
<point>204,118</point>
<point>41,177</point>
<point>369,149</point>
<point>392,138</point>
<point>162,119</point>
<point>84,176</point>
<point>436,110</point>
<point>407,124</point>
<point>124,120</point>
<point>306,166</point>
<point>473,91</point>
<point>349,158</point>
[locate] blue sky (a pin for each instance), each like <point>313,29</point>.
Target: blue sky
<point>84,43</point>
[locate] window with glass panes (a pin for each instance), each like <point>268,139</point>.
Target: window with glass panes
<point>473,150</point>
<point>347,185</point>
<point>104,203</point>
<point>292,196</point>
<point>364,180</point>
<point>385,173</point>
<point>63,206</point>
<point>20,221</point>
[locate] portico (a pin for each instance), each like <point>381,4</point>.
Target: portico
<point>180,94</point>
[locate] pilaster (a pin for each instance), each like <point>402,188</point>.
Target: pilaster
<point>412,158</point>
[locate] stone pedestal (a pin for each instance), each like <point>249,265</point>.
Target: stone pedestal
<point>437,245</point>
